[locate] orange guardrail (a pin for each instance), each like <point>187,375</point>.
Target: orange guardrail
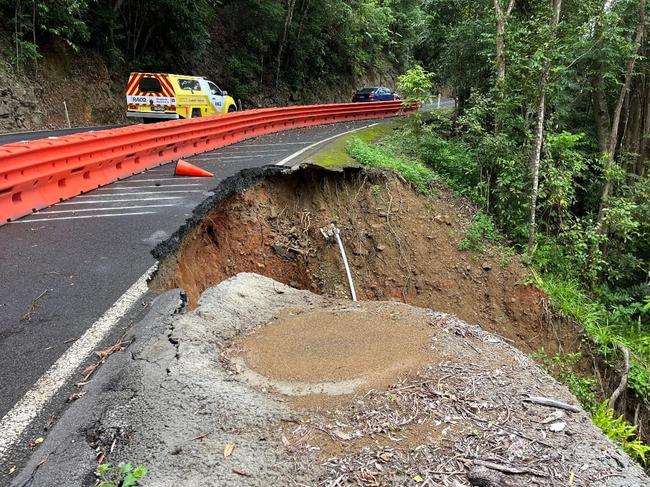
<point>39,173</point>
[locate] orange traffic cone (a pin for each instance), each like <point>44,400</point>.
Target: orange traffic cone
<point>184,168</point>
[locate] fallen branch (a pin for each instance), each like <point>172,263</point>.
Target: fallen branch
<point>545,401</point>
<point>622,385</point>
<point>32,307</point>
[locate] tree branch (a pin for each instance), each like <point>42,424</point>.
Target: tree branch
<point>622,385</point>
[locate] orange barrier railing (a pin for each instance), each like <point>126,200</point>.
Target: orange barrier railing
<point>39,173</point>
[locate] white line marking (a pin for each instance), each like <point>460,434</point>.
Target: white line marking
<point>116,201</point>
<point>141,192</point>
<point>25,220</point>
<point>244,145</point>
<point>309,147</point>
<point>113,186</point>
<point>48,212</point>
<point>14,423</point>
<point>240,153</point>
<point>217,157</point>
<point>133,180</point>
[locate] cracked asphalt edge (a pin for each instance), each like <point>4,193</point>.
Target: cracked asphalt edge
<point>67,443</point>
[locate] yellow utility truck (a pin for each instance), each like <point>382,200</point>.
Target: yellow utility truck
<point>161,96</point>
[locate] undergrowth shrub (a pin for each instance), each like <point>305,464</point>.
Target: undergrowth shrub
<point>478,232</point>
<point>620,431</point>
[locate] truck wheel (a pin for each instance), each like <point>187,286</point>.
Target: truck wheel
<point>232,108</point>
<point>196,112</point>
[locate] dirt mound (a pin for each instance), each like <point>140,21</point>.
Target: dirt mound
<point>335,352</point>
<point>401,246</point>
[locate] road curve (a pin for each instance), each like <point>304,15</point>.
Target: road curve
<point>65,266</point>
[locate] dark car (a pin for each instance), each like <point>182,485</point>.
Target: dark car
<point>375,93</point>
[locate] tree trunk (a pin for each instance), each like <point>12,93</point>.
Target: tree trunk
<point>601,110</point>
<point>501,21</point>
<point>502,18</point>
<point>556,8</point>
<point>632,134</point>
<point>613,136</point>
<point>535,158</point>
<point>287,22</point>
<point>645,130</point>
<point>17,33</point>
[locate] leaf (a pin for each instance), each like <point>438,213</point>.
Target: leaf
<point>417,478</point>
<point>129,481</point>
<point>140,472</point>
<point>228,449</point>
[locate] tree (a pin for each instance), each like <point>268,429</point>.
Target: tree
<point>555,11</point>
<point>616,119</point>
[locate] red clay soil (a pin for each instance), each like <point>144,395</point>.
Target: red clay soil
<point>401,246</point>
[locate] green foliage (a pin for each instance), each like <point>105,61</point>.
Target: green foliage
<point>606,326</point>
<point>562,366</point>
<point>123,476</point>
<point>479,232</point>
<point>413,171</point>
<point>415,85</point>
<point>241,43</point>
<point>620,432</point>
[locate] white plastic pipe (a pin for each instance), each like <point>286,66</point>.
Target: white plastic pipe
<point>345,263</point>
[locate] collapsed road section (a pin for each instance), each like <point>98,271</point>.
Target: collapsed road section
<point>433,399</point>
<point>262,372</point>
<point>401,246</point>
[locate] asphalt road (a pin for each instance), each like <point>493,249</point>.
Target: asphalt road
<point>10,137</point>
<point>64,266</point>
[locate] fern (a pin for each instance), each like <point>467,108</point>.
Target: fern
<point>620,432</point>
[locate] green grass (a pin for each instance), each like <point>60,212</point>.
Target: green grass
<point>381,158</point>
<point>604,327</point>
<point>335,154</point>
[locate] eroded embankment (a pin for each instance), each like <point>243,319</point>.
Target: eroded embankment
<point>401,246</point>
